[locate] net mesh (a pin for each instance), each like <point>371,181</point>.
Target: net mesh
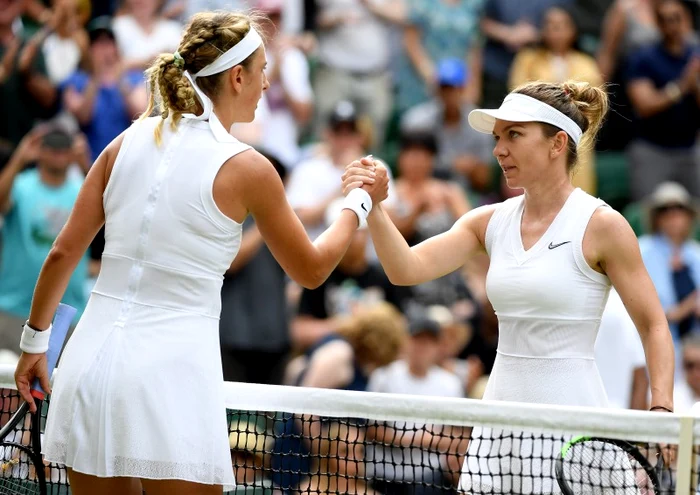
<point>288,440</point>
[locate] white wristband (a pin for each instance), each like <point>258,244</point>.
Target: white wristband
<point>35,342</point>
<point>359,201</point>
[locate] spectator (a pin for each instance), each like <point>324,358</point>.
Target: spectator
<point>353,285</point>
<point>103,99</point>
<point>370,339</point>
<point>287,105</point>
<point>556,60</point>
<point>426,206</point>
<point>26,94</point>
<point>36,204</point>
<point>508,25</point>
<point>686,391</point>
<point>314,183</point>
<point>67,45</point>
<point>620,357</point>
<point>254,321</point>
<point>142,33</point>
<point>664,89</point>
<point>672,257</point>
<point>629,25</point>
<point>353,63</point>
<point>404,465</point>
<point>455,334</point>
<point>463,153</point>
<point>438,29</point>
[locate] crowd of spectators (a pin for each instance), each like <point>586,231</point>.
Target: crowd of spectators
<point>396,78</point>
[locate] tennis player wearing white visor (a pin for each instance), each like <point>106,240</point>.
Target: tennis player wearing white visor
<point>554,253</point>
<point>138,402</point>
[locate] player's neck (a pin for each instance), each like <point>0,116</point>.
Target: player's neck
<point>546,198</point>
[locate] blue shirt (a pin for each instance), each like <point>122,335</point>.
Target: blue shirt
<point>109,111</point>
<point>37,215</point>
<point>677,126</point>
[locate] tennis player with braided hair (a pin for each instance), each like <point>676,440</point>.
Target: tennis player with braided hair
<point>554,253</point>
<point>138,402</point>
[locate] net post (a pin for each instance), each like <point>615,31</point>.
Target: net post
<point>686,457</point>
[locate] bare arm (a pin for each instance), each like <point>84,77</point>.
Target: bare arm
<point>261,191</point>
<point>496,30</point>
<point>647,100</point>
<point>331,366</point>
<point>417,54</point>
<point>640,388</point>
<point>613,29</point>
<point>611,241</point>
<point>432,258</point>
<point>305,330</point>
<point>475,64</point>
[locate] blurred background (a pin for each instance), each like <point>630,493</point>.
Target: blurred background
<point>396,78</point>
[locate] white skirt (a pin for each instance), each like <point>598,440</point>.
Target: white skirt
<point>144,400</point>
<point>507,462</point>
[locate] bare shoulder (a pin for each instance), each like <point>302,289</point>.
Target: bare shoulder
<point>249,165</point>
<point>608,233</point>
<point>477,220</point>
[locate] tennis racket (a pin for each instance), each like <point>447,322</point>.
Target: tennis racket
<point>592,465</point>
<point>22,468</point>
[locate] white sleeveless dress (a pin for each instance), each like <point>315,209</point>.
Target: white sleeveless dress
<point>139,390</point>
<point>549,303</point>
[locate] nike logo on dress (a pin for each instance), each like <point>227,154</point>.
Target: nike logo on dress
<point>553,246</point>
<point>363,207</point>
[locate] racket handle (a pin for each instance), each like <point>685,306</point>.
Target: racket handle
<point>61,323</point>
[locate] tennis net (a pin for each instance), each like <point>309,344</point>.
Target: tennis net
<point>290,440</point>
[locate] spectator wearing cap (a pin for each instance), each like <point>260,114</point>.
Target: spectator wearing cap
<point>104,99</point>
<point>26,93</point>
<point>355,284</point>
<point>416,373</point>
<point>287,105</point>
<point>664,88</point>
<point>556,60</point>
<point>438,29</point>
<point>142,33</point>
<point>314,182</point>
<point>36,203</point>
<point>672,257</point>
<point>464,154</point>
<point>353,62</point>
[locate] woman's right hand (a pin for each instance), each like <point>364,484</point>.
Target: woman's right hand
<point>371,175</point>
<point>29,367</point>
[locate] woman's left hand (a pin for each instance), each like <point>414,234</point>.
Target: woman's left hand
<point>359,173</point>
<point>29,367</point>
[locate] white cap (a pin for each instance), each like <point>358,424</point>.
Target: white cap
<point>517,107</point>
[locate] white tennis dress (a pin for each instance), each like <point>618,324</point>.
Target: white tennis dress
<point>139,391</point>
<point>549,303</point>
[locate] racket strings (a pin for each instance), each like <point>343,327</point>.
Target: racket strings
<point>596,467</point>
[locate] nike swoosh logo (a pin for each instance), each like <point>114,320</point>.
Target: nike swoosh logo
<point>554,246</point>
<point>363,207</point>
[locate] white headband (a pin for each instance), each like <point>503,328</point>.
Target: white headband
<point>232,57</point>
<point>517,107</point>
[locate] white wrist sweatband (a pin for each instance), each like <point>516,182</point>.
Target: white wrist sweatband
<point>359,201</point>
<point>33,341</point>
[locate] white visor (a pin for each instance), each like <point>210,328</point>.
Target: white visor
<point>521,108</point>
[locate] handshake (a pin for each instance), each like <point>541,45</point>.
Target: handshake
<point>365,183</point>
